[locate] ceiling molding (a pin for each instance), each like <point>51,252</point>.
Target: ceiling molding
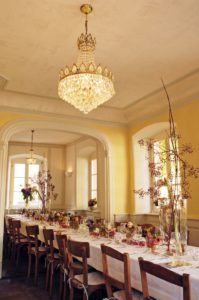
<point>181,91</point>
<point>28,104</point>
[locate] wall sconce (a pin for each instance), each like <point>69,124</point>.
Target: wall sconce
<point>69,173</point>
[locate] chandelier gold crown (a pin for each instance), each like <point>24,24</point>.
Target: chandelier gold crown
<point>86,85</point>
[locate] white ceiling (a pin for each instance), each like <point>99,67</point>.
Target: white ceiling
<point>140,41</point>
<point>46,137</point>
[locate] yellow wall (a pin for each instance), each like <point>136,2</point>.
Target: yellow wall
<point>6,117</point>
<point>120,168</point>
<point>187,120</point>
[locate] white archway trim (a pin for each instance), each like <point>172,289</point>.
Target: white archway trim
<point>140,164</point>
<point>13,127</point>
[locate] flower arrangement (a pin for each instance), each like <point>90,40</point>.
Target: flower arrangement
<point>129,230</point>
<point>100,229</point>
<point>28,193</point>
<point>46,189</point>
<point>176,183</point>
<point>92,202</point>
<point>152,235</point>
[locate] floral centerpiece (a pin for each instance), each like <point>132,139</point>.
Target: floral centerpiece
<point>153,238</point>
<point>176,183</point>
<point>28,193</point>
<point>92,203</point>
<point>129,230</point>
<point>100,229</point>
<point>46,189</point>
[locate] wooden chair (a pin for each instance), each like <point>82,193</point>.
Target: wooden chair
<point>77,267</point>
<point>37,251</point>
<point>125,291</point>
<point>7,238</point>
<point>52,259</point>
<point>18,240</point>
<point>87,282</point>
<point>164,274</point>
<point>63,275</point>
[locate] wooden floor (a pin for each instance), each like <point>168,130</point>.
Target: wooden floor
<point>15,286</point>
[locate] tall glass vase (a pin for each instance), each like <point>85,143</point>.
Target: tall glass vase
<point>166,224</point>
<point>173,225</point>
<point>181,227</point>
<point>43,209</point>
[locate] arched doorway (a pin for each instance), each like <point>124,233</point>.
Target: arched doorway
<point>8,130</point>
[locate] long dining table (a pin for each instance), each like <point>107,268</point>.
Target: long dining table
<point>158,288</point>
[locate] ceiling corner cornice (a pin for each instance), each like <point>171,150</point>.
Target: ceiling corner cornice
<point>56,108</point>
<point>181,91</point>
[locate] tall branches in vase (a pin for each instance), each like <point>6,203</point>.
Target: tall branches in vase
<point>176,183</point>
<point>46,189</point>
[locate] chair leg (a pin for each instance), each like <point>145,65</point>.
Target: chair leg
<point>60,283</point>
<point>9,247</point>
<point>51,278</point>
<point>13,254</point>
<point>18,253</point>
<point>71,293</point>
<point>29,264</point>
<point>36,268</point>
<point>64,290</point>
<point>47,274</point>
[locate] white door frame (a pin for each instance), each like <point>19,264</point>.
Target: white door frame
<point>11,128</point>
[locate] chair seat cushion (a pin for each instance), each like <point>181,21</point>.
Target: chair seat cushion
<point>94,278</point>
<point>120,295</point>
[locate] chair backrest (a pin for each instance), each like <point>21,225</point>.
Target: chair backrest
<point>81,250</point>
<point>164,274</point>
<point>109,279</point>
<point>49,238</point>
<point>10,228</point>
<point>16,226</point>
<point>32,233</point>
<point>61,242</point>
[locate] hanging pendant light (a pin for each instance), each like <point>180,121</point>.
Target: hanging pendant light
<point>86,85</point>
<point>31,160</point>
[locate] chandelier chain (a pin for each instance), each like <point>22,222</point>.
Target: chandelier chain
<point>86,24</point>
<point>31,144</point>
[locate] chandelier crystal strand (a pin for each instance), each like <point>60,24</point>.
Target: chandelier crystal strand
<point>85,85</point>
<point>31,160</point>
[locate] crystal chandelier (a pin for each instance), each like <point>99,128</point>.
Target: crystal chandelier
<point>31,160</point>
<point>86,85</point>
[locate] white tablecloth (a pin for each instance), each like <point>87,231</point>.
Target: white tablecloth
<point>158,288</point>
